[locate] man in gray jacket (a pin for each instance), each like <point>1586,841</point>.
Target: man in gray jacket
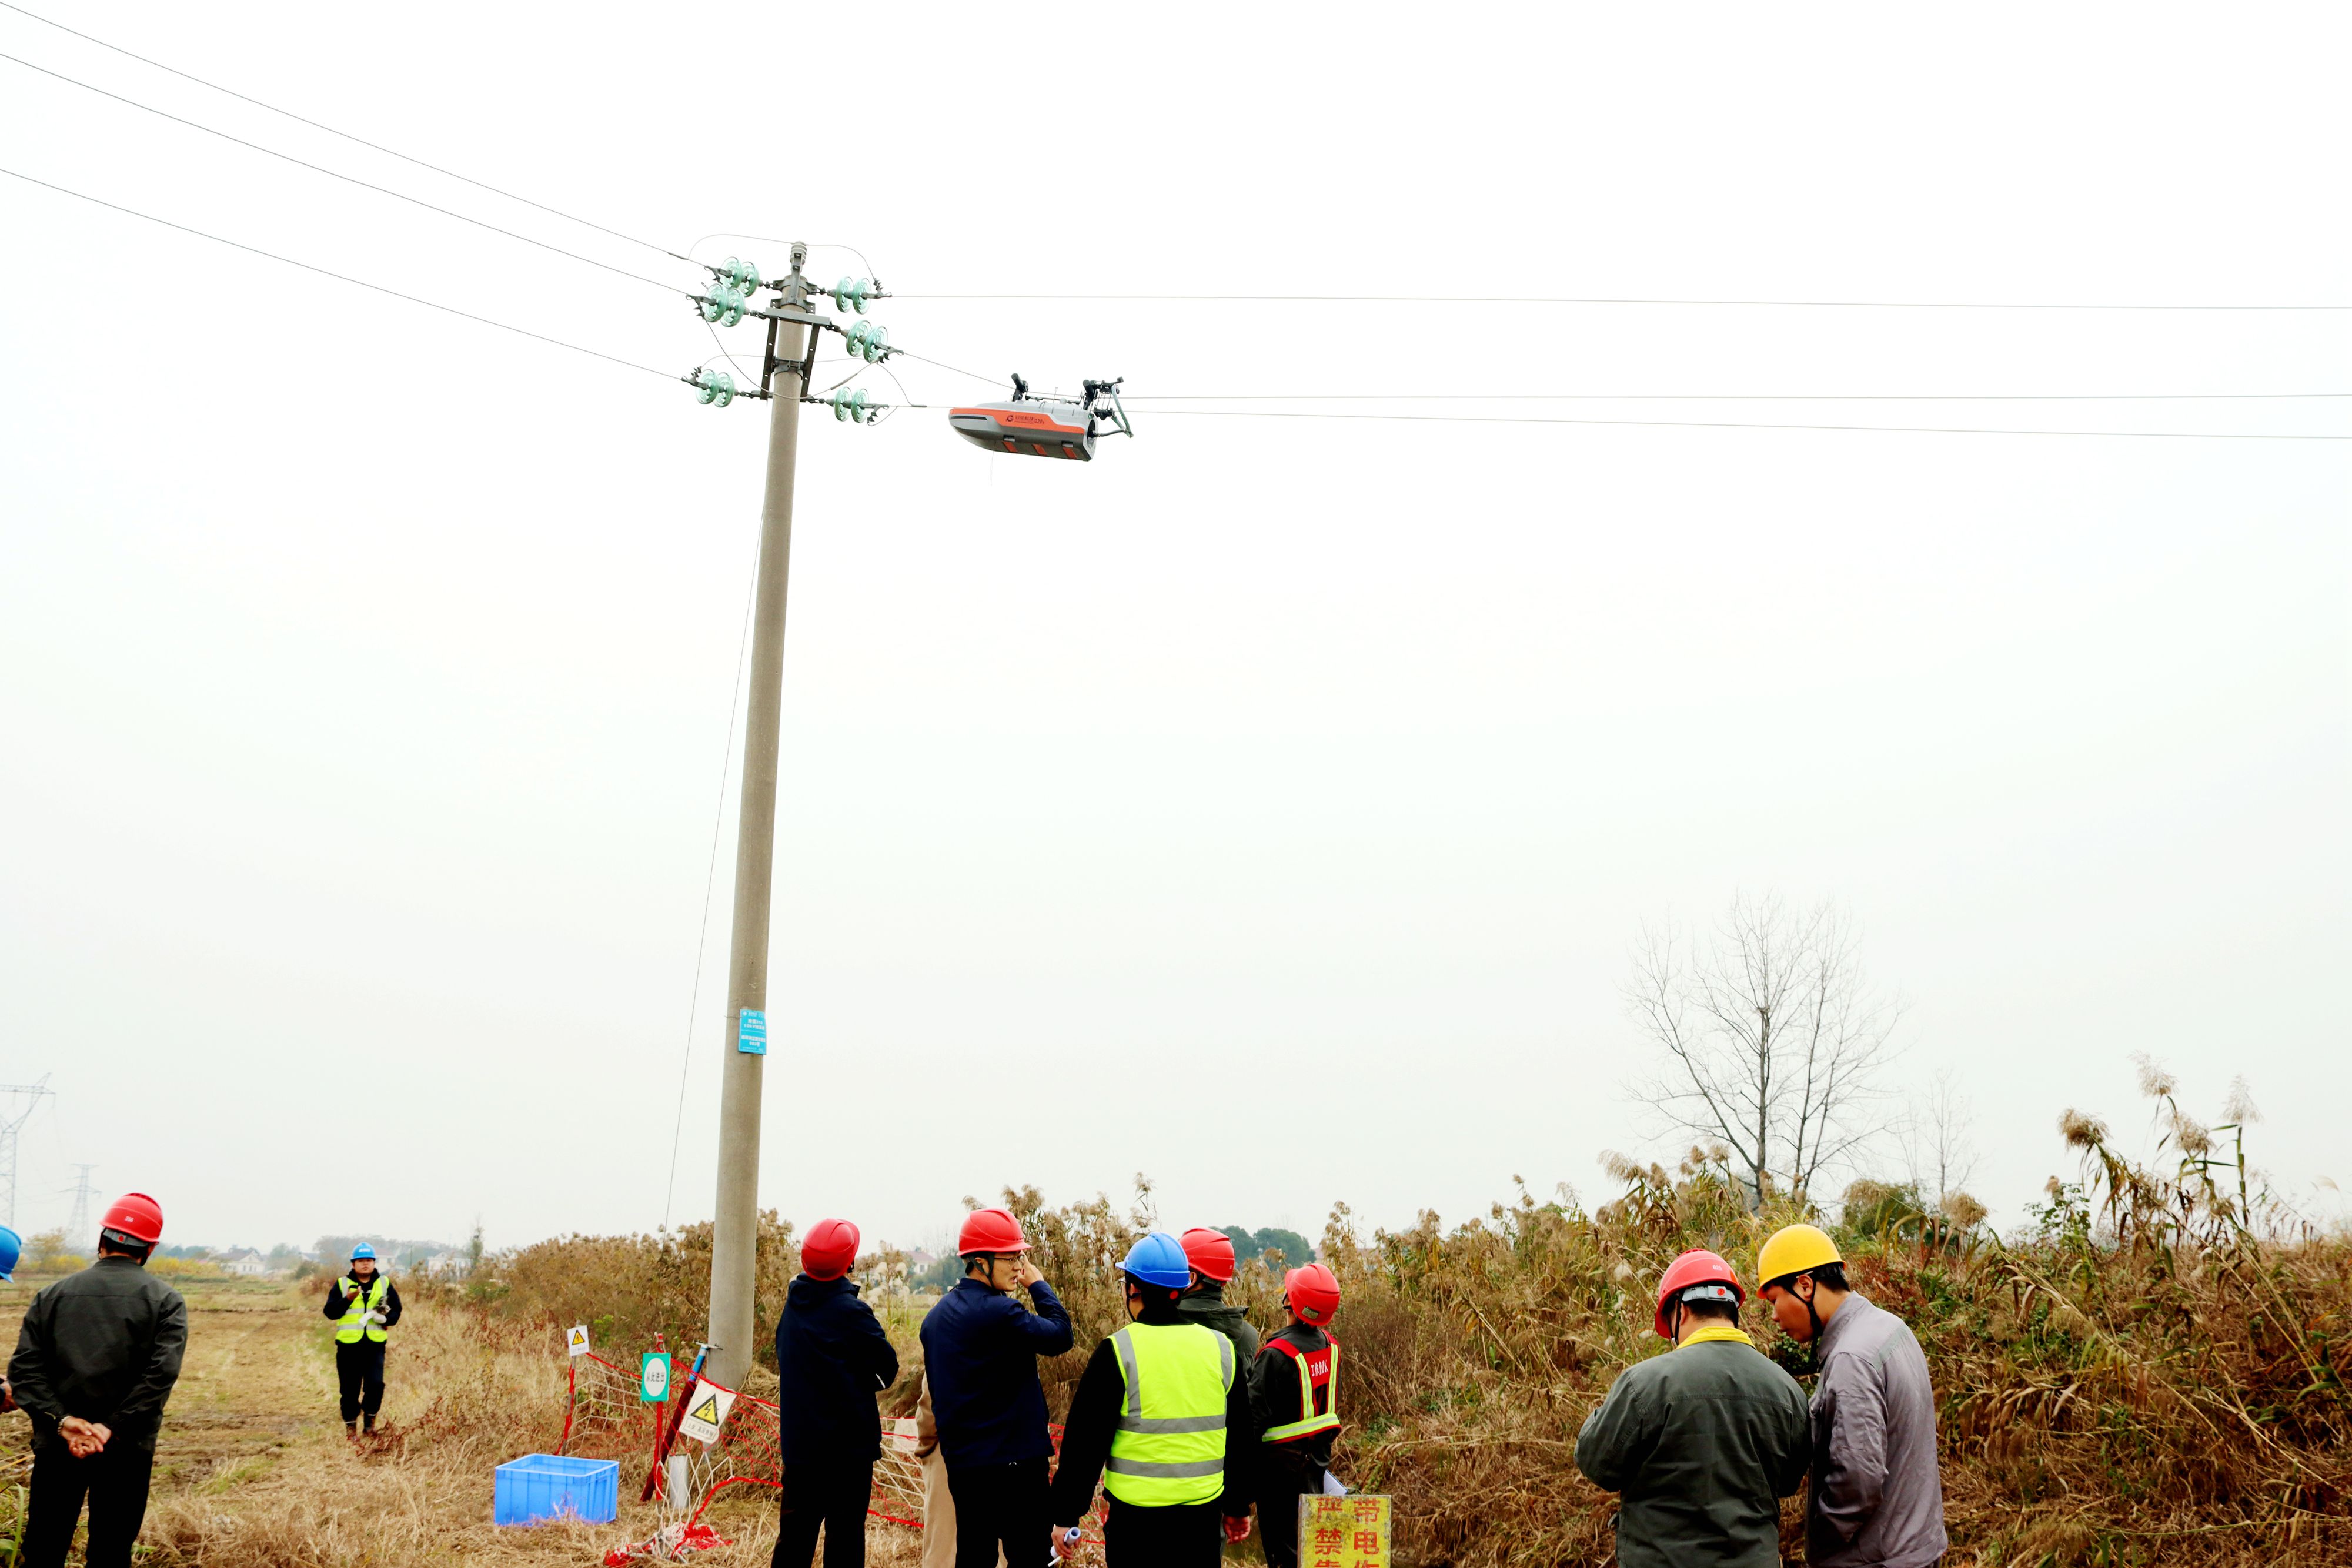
<point>1876,1498</point>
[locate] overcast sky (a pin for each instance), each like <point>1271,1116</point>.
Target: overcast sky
<point>1268,806</point>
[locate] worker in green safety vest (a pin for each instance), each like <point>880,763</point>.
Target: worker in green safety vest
<point>363,1305</point>
<point>1162,1419</point>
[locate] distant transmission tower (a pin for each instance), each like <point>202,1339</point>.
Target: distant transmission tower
<point>12,1121</point>
<point>79,1226</point>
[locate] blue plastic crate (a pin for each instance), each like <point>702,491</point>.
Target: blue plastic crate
<point>538,1488</point>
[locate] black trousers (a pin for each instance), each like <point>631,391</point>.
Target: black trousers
<point>1283,1479</point>
<point>1186,1535</point>
<point>1002,1506</point>
<point>114,1480</point>
<point>829,1495</point>
<point>360,1369</point>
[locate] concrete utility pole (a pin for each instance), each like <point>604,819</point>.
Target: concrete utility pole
<point>734,1243</point>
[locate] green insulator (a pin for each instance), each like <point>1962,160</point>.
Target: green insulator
<point>725,387</point>
<point>703,390</point>
<point>840,405</point>
<point>859,292</point>
<point>734,312</point>
<point>711,308</point>
<point>877,344</point>
<point>858,406</point>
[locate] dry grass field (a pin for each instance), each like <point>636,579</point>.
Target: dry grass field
<point>2155,1369</point>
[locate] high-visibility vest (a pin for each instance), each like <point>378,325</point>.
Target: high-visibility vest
<point>1169,1445</point>
<point>358,1302</point>
<point>1318,1390</point>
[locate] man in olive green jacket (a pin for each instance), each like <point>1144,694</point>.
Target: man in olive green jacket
<point>1702,1441</point>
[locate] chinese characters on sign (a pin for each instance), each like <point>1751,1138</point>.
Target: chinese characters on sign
<point>1343,1532</point>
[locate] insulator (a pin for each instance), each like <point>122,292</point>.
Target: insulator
<point>725,385</point>
<point>703,389</point>
<point>857,409</point>
<point>742,276</point>
<point>853,337</point>
<point>711,308</point>
<point>877,344</point>
<point>840,405</point>
<point>734,311</point>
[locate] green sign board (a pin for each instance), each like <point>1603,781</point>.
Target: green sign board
<point>653,1377</point>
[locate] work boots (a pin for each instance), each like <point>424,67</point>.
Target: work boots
<point>368,1425</point>
<point>352,1430</point>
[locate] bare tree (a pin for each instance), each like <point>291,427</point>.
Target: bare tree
<point>1773,1038</point>
<point>1937,1146</point>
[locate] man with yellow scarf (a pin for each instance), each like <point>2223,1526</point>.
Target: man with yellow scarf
<point>1701,1442</point>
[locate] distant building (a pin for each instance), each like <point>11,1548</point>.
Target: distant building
<point>920,1260</point>
<point>243,1261</point>
<point>443,1265</point>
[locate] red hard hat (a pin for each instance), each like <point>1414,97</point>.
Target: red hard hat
<point>136,1216</point>
<point>1314,1293</point>
<point>991,1230</point>
<point>830,1250</point>
<point>1211,1253</point>
<point>1696,1267</point>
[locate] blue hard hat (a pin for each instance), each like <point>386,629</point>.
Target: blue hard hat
<point>362,1250</point>
<point>1158,1260</point>
<point>12,1247</point>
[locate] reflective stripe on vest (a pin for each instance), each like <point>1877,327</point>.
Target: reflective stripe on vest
<point>358,1302</point>
<point>1316,1414</point>
<point>1169,1445</point>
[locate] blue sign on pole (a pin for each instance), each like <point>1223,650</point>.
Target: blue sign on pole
<point>752,1032</point>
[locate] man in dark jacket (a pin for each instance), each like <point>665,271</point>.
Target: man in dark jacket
<point>95,1360</point>
<point>980,1349</point>
<point>1161,1418</point>
<point>832,1358</point>
<point>1702,1441</point>
<point>363,1305</point>
<point>1209,1258</point>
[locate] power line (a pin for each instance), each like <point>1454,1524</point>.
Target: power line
<point>1571,299</point>
<point>710,881</point>
<point>348,179</point>
<point>1730,425</point>
<point>338,276</point>
<point>362,140</point>
<point>1714,397</point>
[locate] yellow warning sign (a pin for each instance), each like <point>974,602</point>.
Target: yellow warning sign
<point>576,1342</point>
<point>707,1405</point>
<point>1349,1532</point>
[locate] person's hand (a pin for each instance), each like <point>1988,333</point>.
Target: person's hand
<point>82,1438</point>
<point>1066,1544</point>
<point>1028,1273</point>
<point>1237,1529</point>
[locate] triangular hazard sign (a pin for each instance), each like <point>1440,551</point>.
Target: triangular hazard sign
<point>708,1410</point>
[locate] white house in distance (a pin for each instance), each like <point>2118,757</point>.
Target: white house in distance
<point>242,1260</point>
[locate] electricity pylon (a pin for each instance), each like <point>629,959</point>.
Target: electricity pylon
<point>12,1121</point>
<point>79,1226</point>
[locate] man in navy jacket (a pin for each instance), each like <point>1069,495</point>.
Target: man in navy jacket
<point>832,1358</point>
<point>980,1349</point>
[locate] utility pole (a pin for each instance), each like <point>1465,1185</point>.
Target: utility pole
<point>12,1121</point>
<point>734,1242</point>
<point>79,1226</point>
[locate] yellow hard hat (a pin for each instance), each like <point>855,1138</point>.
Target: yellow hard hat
<point>1793,1249</point>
